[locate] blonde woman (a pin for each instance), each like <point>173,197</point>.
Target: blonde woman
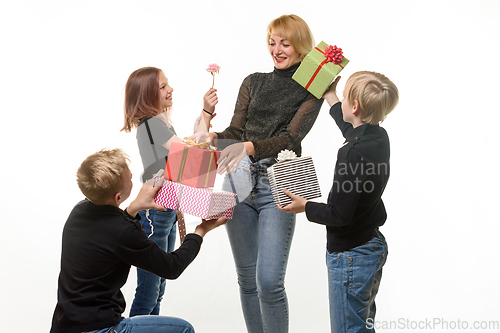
<point>272,113</point>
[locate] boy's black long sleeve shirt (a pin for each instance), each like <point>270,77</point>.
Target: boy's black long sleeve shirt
<point>99,245</point>
<point>355,208</point>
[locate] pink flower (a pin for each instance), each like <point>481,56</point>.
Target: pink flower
<point>212,69</point>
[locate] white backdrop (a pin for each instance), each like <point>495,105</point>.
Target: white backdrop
<point>64,66</point>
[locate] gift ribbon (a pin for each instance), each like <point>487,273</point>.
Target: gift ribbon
<point>193,143</point>
<point>328,59</point>
<point>183,163</point>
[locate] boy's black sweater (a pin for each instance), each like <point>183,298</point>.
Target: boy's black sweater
<point>354,208</point>
<point>99,245</point>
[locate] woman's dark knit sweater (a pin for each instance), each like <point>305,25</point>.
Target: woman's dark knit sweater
<point>273,112</point>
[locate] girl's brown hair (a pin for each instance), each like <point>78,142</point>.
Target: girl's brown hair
<point>142,96</point>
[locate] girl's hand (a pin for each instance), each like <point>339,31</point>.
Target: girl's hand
<point>210,100</point>
<point>298,204</point>
<point>199,137</point>
<point>199,120</point>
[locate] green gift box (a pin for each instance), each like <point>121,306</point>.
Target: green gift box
<point>319,68</point>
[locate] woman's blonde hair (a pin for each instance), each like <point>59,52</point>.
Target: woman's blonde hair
<point>377,96</point>
<point>101,174</point>
<point>295,30</point>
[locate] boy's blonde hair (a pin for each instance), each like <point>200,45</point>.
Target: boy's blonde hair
<point>295,30</point>
<point>377,96</point>
<point>101,174</point>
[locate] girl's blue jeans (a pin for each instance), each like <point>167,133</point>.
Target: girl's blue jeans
<point>160,227</point>
<point>260,236</point>
<point>150,324</point>
<point>353,281</point>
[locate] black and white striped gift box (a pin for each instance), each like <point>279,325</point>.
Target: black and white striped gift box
<point>298,176</point>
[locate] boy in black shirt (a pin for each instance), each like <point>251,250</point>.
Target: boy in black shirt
<point>356,250</point>
<point>100,243</point>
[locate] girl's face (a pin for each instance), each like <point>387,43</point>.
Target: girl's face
<point>165,92</point>
<point>282,52</point>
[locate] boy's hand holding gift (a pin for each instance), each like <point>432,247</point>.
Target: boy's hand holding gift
<point>146,197</point>
<point>208,225</point>
<point>331,94</point>
<point>298,204</point>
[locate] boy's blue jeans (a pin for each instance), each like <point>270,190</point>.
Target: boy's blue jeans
<point>353,282</point>
<point>150,324</point>
<point>260,236</point>
<point>160,227</point>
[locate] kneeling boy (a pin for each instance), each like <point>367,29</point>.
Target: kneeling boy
<point>100,242</point>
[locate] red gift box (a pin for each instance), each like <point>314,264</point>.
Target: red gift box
<point>191,165</point>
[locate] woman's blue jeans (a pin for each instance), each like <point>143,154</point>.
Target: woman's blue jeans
<point>150,324</point>
<point>160,227</point>
<point>353,281</point>
<point>260,236</point>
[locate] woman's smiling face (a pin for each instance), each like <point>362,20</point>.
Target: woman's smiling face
<point>282,52</point>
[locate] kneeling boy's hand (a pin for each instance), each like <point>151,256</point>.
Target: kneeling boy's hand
<point>298,204</point>
<point>146,197</point>
<point>207,225</point>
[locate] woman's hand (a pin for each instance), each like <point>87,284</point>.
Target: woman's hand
<point>232,155</point>
<point>210,100</point>
<point>298,204</point>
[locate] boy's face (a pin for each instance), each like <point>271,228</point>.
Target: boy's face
<point>126,185</point>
